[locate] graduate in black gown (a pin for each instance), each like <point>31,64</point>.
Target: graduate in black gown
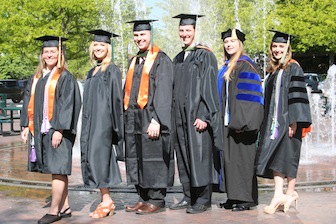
<point>49,116</point>
<point>102,123</point>
<point>240,90</point>
<point>148,123</point>
<point>197,118</point>
<point>287,113</point>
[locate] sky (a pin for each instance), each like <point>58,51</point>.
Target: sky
<point>156,12</point>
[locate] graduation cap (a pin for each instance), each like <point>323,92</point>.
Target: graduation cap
<point>102,36</point>
<point>187,19</point>
<point>51,41</point>
<point>140,25</point>
<point>235,33</point>
<point>280,37</point>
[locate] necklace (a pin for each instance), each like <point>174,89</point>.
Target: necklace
<point>99,63</point>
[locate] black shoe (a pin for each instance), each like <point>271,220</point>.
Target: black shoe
<point>180,205</point>
<point>47,218</point>
<point>240,207</point>
<point>64,214</point>
<point>227,205</point>
<point>198,208</point>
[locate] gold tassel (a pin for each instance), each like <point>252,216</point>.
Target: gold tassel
<point>59,53</point>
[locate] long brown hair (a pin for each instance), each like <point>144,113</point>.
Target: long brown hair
<point>274,64</point>
<point>233,60</point>
<point>106,61</point>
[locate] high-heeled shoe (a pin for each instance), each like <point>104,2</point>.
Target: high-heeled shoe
<point>279,201</point>
<point>103,211</point>
<point>290,198</point>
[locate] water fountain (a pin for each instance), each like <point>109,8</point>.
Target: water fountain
<point>320,143</point>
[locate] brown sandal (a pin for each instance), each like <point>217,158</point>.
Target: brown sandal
<point>103,211</point>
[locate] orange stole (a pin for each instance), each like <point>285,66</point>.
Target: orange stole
<point>144,82</point>
<point>203,47</point>
<point>51,97</point>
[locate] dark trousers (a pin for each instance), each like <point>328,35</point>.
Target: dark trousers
<point>153,196</point>
<point>199,195</point>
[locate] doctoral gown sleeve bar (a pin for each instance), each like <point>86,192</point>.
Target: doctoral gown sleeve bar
<point>248,96</point>
<point>299,110</point>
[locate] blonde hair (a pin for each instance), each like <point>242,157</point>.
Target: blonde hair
<point>233,60</point>
<point>106,61</point>
<point>274,64</point>
<point>42,64</point>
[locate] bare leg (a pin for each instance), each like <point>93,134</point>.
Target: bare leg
<point>107,203</point>
<point>59,193</point>
<point>291,185</point>
<point>292,195</point>
<point>106,198</point>
<point>279,198</point>
<point>278,184</point>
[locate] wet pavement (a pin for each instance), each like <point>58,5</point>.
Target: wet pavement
<point>25,197</point>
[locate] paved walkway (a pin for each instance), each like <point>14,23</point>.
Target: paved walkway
<point>23,202</point>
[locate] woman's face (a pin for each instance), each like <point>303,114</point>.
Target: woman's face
<point>187,34</point>
<point>231,45</point>
<point>50,56</point>
<point>100,50</point>
<point>278,50</point>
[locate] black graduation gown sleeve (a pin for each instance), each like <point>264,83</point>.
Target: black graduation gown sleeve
<point>298,103</point>
<point>246,96</point>
<point>116,108</point>
<point>162,100</point>
<point>208,109</point>
<point>68,105</point>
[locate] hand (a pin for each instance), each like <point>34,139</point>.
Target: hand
<point>200,125</point>
<point>153,130</point>
<point>56,139</point>
<point>24,134</point>
<point>292,129</point>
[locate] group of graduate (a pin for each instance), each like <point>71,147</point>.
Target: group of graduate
<point>224,127</point>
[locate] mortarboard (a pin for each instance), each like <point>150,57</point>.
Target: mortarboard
<point>280,37</point>
<point>187,19</point>
<point>102,36</point>
<point>140,25</point>
<point>51,41</point>
<point>233,33</point>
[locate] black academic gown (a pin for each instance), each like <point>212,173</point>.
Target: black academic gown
<point>67,104</point>
<point>150,163</point>
<point>245,100</point>
<point>195,96</point>
<point>102,126</point>
<point>283,153</point>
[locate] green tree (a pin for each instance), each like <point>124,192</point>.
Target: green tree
<point>313,21</point>
<point>21,21</point>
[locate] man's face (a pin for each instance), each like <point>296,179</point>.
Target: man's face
<point>142,39</point>
<point>187,34</point>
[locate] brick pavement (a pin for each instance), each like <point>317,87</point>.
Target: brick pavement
<point>317,204</point>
